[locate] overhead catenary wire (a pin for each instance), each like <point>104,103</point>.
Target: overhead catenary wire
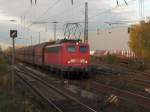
<point>61,13</point>
<point>44,22</point>
<point>64,11</point>
<point>50,7</point>
<point>31,2</point>
<point>72,1</point>
<point>124,2</point>
<point>105,11</point>
<point>29,10</point>
<point>108,10</point>
<point>141,8</point>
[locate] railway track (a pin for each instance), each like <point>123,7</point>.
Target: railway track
<point>61,101</point>
<point>37,91</point>
<point>134,77</point>
<point>141,78</point>
<point>118,70</point>
<point>121,94</point>
<point>135,98</point>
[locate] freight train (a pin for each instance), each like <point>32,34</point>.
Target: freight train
<point>68,57</point>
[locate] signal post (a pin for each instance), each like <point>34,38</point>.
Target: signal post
<point>13,35</point>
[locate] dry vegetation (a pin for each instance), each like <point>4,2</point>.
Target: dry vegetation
<point>8,102</point>
<point>140,41</point>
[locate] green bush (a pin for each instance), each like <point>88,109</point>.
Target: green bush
<point>92,59</point>
<point>9,102</point>
<point>5,102</point>
<point>111,59</point>
<point>3,65</point>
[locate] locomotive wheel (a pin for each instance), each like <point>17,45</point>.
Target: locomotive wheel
<point>85,75</point>
<point>68,75</point>
<point>58,72</point>
<point>64,74</point>
<point>73,75</point>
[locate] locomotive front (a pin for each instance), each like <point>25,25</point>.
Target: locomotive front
<point>76,57</point>
<point>67,56</point>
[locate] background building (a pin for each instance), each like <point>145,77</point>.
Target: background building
<point>109,39</point>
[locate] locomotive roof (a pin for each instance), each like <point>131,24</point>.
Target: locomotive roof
<point>52,43</point>
<point>59,42</point>
<point>68,40</point>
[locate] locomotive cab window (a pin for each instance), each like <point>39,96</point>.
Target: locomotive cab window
<point>83,49</point>
<point>71,48</point>
<point>55,49</point>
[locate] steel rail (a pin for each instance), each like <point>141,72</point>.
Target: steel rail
<point>37,92</point>
<point>34,75</point>
<point>135,98</point>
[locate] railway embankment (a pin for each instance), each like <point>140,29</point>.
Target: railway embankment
<point>11,101</point>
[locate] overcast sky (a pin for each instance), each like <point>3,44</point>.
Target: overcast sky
<point>62,11</point>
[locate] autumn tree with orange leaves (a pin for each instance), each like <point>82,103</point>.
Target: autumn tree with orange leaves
<point>140,40</point>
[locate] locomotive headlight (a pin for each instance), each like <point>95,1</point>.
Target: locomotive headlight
<point>71,61</point>
<point>68,62</point>
<point>83,61</point>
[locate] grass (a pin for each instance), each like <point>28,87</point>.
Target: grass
<point>3,66</point>
<point>94,59</point>
<point>9,102</point>
<point>119,82</point>
<point>109,59</point>
<point>18,101</point>
<point>3,72</point>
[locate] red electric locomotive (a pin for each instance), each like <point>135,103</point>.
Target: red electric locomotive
<point>63,56</point>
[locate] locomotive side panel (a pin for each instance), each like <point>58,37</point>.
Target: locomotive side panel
<point>26,54</point>
<point>64,56</point>
<point>20,54</point>
<point>30,55</point>
<point>39,53</point>
<point>53,55</point>
<point>38,56</point>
